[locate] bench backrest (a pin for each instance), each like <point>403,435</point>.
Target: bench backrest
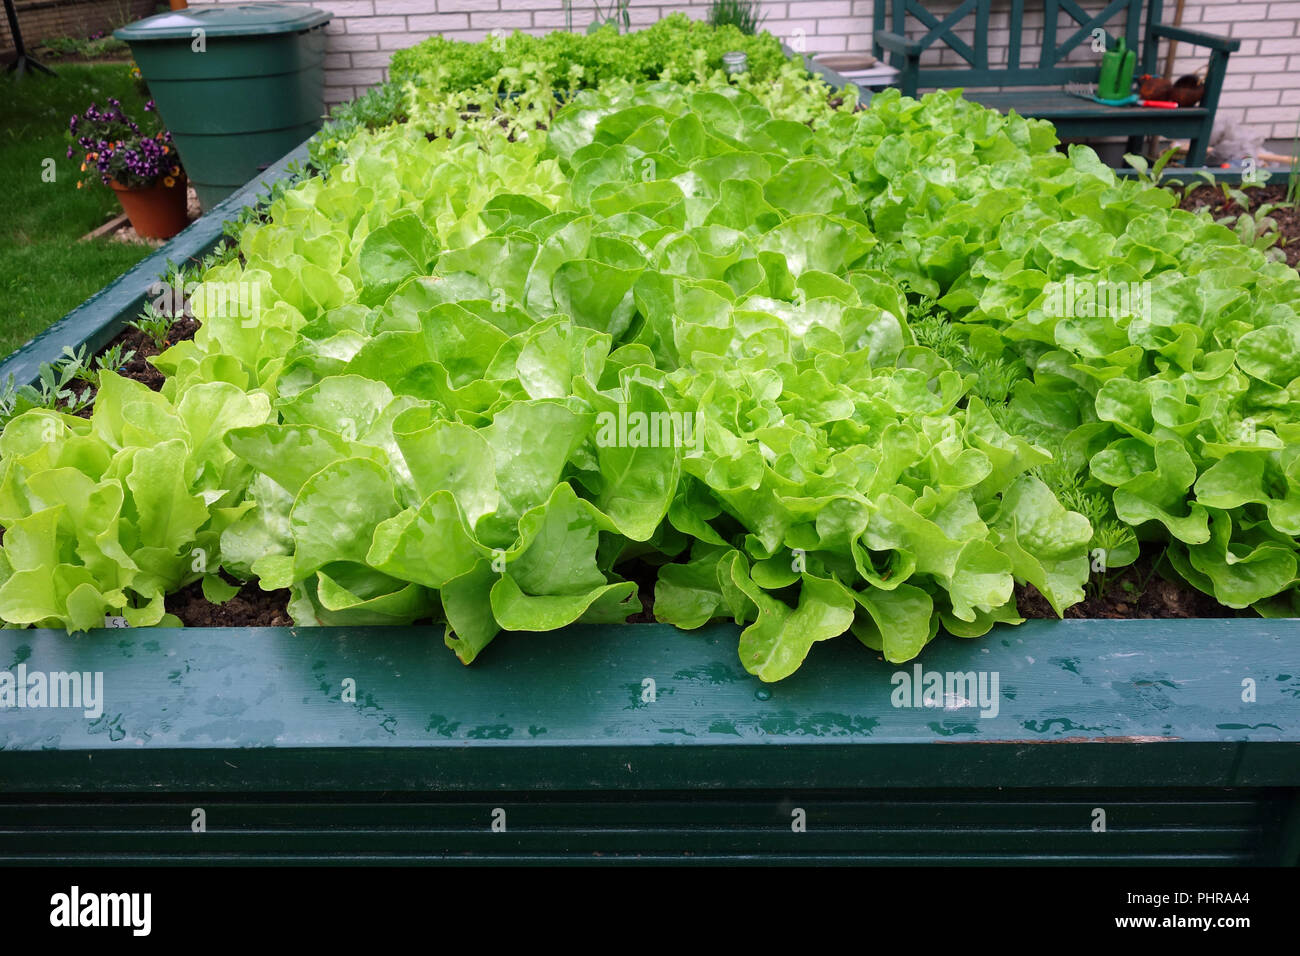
<point>1030,62</point>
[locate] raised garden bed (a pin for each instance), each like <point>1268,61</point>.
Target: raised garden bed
<point>597,739</point>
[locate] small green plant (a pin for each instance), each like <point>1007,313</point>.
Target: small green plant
<point>256,210</point>
<point>221,253</point>
<point>1113,545</point>
<point>89,47</point>
<point>378,107</point>
<point>744,15</point>
<point>52,388</point>
<point>114,359</point>
<point>77,363</point>
<point>1147,172</point>
<point>995,380</point>
<point>1231,195</point>
<point>84,369</point>
<point>1259,232</point>
<point>153,323</point>
<point>933,330</point>
<point>8,401</point>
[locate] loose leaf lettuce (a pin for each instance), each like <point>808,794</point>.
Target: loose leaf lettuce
<point>815,378</point>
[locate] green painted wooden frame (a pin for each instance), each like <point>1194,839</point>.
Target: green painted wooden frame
<point>646,743</point>
<point>1080,703</point>
<point>1073,118</point>
<point>642,742</point>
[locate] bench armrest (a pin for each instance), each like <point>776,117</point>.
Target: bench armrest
<point>1196,38</point>
<point>897,44</point>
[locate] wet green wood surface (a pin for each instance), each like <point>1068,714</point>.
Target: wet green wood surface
<point>1126,703</point>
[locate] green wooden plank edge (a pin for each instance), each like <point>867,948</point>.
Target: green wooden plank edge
<point>102,316</point>
<point>1193,703</point>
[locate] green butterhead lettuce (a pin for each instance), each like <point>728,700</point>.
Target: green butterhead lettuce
<point>821,373</point>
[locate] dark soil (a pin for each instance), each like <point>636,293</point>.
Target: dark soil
<point>183,329</point>
<point>1138,591</point>
<point>1287,218</point>
<point>138,369</point>
<point>644,576</point>
<point>251,607</point>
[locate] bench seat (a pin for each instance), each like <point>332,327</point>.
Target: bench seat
<point>1042,55</point>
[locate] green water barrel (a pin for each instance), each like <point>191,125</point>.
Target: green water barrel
<point>238,85</point>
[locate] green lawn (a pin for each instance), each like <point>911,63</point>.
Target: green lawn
<point>44,271</point>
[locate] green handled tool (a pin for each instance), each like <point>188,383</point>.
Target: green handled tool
<point>1086,91</point>
<point>1117,66</point>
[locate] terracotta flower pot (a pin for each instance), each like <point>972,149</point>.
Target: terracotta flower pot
<point>156,212</point>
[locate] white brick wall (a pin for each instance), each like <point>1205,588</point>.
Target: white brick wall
<point>1266,31</point>
<point>1260,75</point>
<point>1262,88</point>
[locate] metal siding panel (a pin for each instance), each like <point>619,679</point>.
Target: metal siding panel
<point>1043,826</point>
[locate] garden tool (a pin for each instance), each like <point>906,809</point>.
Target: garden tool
<point>1116,72</point>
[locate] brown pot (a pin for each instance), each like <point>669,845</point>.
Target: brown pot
<point>178,4</point>
<point>1188,90</point>
<point>156,212</point>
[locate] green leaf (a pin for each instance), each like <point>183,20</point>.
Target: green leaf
<point>165,512</point>
<point>1242,571</point>
<point>898,622</point>
<point>516,611</point>
<point>774,646</point>
<point>336,512</point>
<point>399,249</point>
<point>1047,545</point>
<point>466,600</point>
<point>429,545</point>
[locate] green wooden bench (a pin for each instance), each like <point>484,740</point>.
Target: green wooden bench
<point>905,30</point>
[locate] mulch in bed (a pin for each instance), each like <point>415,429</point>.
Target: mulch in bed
<point>139,369</point>
<point>1135,592</point>
<point>1205,196</point>
<point>251,607</point>
<point>131,338</point>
